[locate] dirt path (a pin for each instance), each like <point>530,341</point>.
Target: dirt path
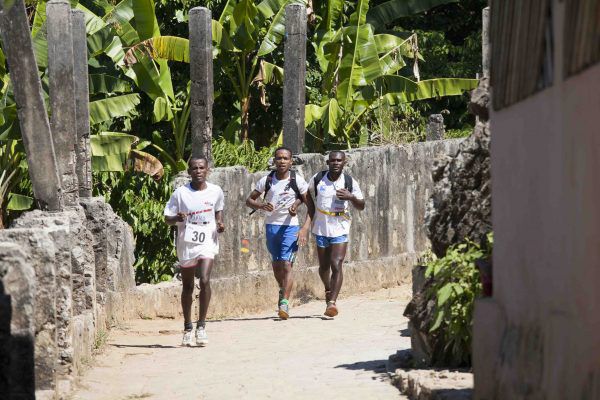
<point>258,357</point>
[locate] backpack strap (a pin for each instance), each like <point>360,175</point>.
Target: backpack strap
<point>318,179</point>
<point>348,182</point>
<point>294,184</point>
<point>269,183</point>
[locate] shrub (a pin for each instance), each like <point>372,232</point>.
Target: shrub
<point>454,286</point>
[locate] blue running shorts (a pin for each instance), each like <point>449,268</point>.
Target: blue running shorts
<point>282,241</point>
<point>326,241</point>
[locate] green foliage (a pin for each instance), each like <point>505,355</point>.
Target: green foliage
<point>458,133</point>
<point>140,201</point>
<point>455,285</point>
<point>226,153</point>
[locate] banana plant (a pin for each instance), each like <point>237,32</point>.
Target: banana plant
<point>360,69</point>
<point>243,36</point>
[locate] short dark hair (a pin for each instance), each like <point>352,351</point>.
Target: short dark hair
<point>337,152</point>
<point>199,158</point>
<point>284,148</point>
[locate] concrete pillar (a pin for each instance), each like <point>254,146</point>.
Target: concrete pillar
<point>294,77</point>
<point>33,119</point>
<point>62,95</point>
<point>435,127</point>
<point>485,41</point>
<point>83,150</point>
<point>201,75</point>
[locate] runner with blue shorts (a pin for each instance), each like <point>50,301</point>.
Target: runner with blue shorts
<point>284,191</point>
<point>328,213</point>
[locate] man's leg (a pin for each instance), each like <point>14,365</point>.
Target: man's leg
<point>205,266</point>
<point>338,253</point>
<point>287,279</point>
<point>187,291</point>
<point>324,254</point>
<point>205,290</point>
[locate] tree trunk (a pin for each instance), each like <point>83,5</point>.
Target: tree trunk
<point>245,118</point>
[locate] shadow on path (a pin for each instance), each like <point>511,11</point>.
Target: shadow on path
<point>144,346</point>
<point>377,366</point>
<point>272,318</point>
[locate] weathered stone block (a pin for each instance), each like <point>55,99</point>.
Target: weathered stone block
<point>17,323</point>
<point>40,251</point>
<point>113,245</point>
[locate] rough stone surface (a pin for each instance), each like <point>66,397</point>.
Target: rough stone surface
<point>17,323</point>
<point>435,127</point>
<point>40,250</point>
<point>113,245</point>
<point>430,384</point>
<point>33,118</point>
<point>460,205</point>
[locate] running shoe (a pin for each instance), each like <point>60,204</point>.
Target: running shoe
<point>284,311</point>
<point>331,310</point>
<point>187,339</point>
<point>201,337</point>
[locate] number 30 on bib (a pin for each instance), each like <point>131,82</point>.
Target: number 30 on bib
<point>198,234</point>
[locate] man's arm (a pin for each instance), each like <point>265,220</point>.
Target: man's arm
<point>172,220</point>
<point>252,202</point>
<point>344,194</point>
<point>219,219</point>
<point>310,213</point>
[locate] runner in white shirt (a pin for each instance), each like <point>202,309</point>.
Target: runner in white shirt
<point>285,190</point>
<point>331,222</point>
<point>197,211</point>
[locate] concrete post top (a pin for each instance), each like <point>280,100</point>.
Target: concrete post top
<point>295,7</point>
<point>59,2</point>
<point>200,10</point>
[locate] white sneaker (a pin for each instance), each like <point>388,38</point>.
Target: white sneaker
<point>201,337</point>
<point>187,339</point>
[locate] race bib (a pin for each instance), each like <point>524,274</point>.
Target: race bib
<point>201,235</point>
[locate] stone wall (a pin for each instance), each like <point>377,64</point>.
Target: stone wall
<point>61,275</point>
<point>385,238</point>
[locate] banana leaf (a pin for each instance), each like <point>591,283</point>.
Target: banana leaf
<point>276,30</point>
<point>390,11</point>
<point>144,16</point>
<point>113,107</point>
<point>103,83</point>
<point>19,202</point>
<point>140,161</point>
<point>110,150</point>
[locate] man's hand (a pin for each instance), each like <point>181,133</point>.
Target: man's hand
<point>293,210</point>
<point>181,216</point>
<point>220,227</point>
<point>344,194</point>
<point>267,207</point>
<point>302,237</point>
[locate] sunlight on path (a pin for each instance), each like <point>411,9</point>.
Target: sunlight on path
<point>259,356</point>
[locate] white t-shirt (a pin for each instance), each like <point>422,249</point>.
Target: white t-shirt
<point>201,206</point>
<point>326,200</point>
<point>282,196</point>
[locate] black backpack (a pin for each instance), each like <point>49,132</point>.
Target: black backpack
<point>291,185</point>
<point>320,175</point>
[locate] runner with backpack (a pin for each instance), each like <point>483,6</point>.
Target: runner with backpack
<point>284,190</point>
<point>329,194</point>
